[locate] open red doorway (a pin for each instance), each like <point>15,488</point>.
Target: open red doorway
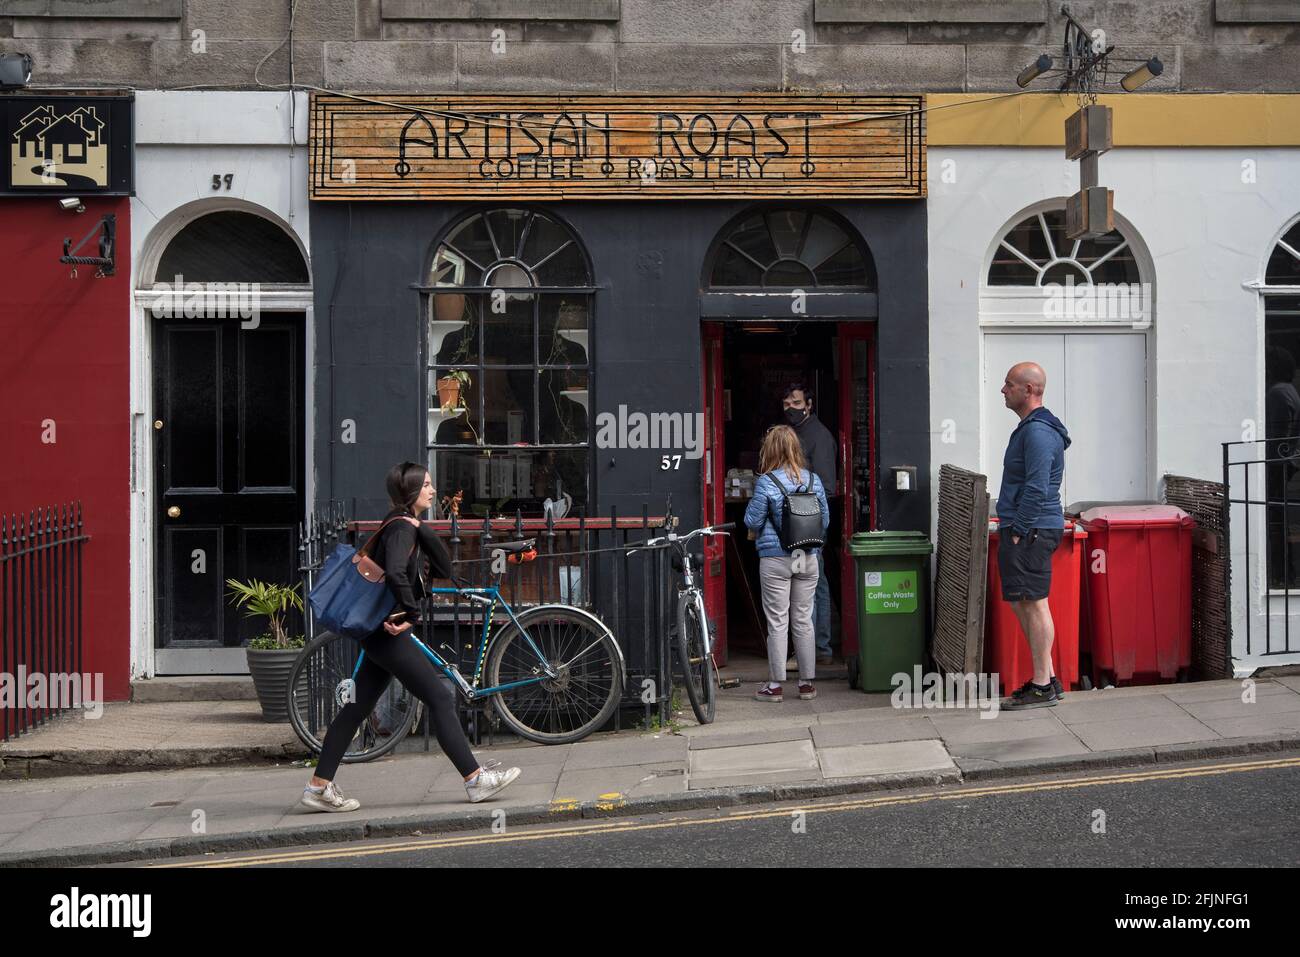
<point>747,366</point>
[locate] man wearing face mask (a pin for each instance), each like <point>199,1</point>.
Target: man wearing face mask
<point>819,451</point>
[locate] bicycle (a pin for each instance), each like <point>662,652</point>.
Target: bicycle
<point>541,691</point>
<point>693,644</point>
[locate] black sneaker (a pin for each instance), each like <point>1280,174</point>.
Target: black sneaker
<point>1031,695</point>
<point>1058,688</point>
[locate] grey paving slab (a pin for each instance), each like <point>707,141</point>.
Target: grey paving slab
<point>861,760</point>
<point>1252,725</point>
<point>180,822</point>
<point>123,797</point>
<point>14,800</point>
<point>589,784</point>
<point>1003,726</point>
<point>15,822</point>
<point>701,742</point>
<point>1141,732</point>
<point>754,763</point>
<point>1236,708</point>
<point>733,727</point>
<point>911,728</point>
<point>1051,746</point>
<point>627,750</point>
<point>87,829</point>
<point>518,794</point>
<point>1223,690</point>
<point>1083,708</point>
<point>1289,681</point>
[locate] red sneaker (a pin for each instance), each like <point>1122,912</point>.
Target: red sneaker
<point>806,691</point>
<point>768,693</point>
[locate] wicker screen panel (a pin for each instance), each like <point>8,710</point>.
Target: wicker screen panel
<point>1211,623</point>
<point>961,576</point>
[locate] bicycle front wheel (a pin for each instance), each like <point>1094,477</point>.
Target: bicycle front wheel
<point>588,674</point>
<point>320,684</point>
<point>695,658</point>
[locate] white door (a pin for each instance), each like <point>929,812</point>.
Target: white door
<point>1096,385</point>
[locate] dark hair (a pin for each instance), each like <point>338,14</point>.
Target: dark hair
<point>405,480</point>
<point>1279,365</point>
<point>798,387</point>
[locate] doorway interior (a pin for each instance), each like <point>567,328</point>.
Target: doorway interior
<point>748,365</point>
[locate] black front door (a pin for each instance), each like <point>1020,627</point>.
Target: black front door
<point>229,472</point>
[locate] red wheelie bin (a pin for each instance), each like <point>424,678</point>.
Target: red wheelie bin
<point>1006,649</point>
<point>1139,591</point>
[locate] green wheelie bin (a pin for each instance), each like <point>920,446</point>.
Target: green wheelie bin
<point>893,573</point>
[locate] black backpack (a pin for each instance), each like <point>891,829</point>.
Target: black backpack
<point>801,517</point>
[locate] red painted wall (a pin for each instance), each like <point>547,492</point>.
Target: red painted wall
<point>65,356</point>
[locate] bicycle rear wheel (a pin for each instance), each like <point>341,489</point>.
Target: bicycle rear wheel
<point>318,690</point>
<point>588,682</point>
<point>696,663</point>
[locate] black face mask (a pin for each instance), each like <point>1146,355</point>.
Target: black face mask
<point>796,416</point>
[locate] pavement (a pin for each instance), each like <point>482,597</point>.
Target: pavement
<point>843,741</point>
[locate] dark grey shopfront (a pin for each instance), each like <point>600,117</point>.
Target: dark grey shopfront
<point>646,314</point>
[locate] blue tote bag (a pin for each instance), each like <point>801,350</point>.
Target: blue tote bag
<point>351,597</point>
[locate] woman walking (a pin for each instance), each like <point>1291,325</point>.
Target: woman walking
<point>788,577</point>
<point>390,651</point>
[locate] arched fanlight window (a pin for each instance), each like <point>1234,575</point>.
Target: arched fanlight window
<point>232,246</point>
<point>1036,252</point>
<point>508,322</point>
<point>791,248</point>
<point>510,248</point>
<point>1284,264</point>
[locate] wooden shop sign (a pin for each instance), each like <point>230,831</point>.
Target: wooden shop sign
<point>533,147</point>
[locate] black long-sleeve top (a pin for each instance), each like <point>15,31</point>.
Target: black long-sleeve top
<point>397,554</point>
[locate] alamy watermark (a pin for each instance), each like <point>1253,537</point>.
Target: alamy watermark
<point>683,431</point>
<point>1102,302</point>
<point>208,300</point>
<point>37,691</point>
<point>953,690</point>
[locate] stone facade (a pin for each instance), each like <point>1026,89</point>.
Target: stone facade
<point>638,45</point>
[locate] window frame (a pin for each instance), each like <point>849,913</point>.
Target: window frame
<point>478,368</point>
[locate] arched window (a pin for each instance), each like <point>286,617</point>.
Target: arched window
<point>1036,252</point>
<point>791,248</point>
<point>507,351</point>
<point>1283,267</point>
<point>232,246</point>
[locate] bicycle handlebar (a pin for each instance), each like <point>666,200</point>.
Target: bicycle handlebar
<point>672,539</point>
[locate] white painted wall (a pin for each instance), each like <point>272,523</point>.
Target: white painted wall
<point>182,140</point>
<point>1207,232</point>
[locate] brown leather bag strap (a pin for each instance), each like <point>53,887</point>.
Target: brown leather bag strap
<point>364,550</point>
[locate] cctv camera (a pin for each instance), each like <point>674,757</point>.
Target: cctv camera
<point>73,204</point>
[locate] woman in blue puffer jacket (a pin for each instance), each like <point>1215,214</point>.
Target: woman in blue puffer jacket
<point>788,578</point>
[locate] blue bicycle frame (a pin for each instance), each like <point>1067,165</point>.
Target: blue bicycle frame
<point>482,596</point>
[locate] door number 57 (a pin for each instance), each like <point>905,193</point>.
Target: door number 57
<point>670,462</point>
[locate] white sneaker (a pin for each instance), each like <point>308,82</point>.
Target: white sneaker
<point>330,799</point>
<point>489,783</point>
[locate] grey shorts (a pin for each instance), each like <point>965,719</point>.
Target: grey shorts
<point>1026,568</point>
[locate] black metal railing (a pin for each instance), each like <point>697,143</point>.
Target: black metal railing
<point>589,562</point>
<point>1279,509</point>
<point>40,612</point>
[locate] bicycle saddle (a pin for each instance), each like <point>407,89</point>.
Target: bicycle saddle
<point>513,548</point>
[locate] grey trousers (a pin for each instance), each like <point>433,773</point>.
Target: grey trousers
<point>788,604</point>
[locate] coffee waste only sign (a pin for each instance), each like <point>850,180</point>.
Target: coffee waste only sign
<point>388,146</point>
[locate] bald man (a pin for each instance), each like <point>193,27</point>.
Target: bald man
<point>1031,523</point>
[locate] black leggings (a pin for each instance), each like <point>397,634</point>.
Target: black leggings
<point>388,656</point>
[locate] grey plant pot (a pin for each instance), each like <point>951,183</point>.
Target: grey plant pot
<point>270,670</point>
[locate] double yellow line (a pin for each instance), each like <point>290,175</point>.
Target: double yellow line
<point>592,828</point>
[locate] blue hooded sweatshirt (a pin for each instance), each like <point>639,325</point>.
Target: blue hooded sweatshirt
<point>1030,496</point>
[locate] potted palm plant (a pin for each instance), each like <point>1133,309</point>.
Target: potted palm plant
<point>271,654</point>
